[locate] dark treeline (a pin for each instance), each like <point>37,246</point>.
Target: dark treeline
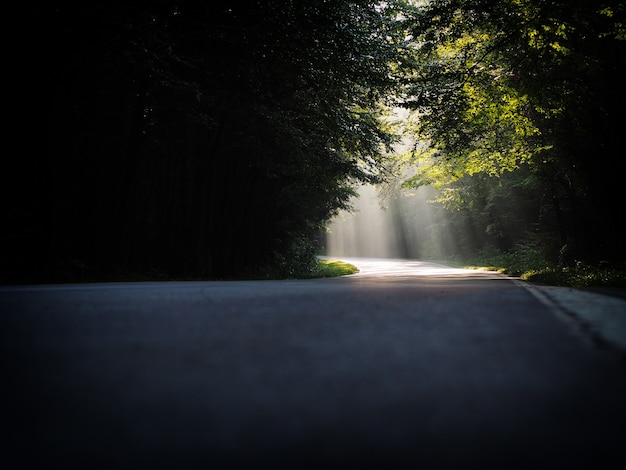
<point>187,138</point>
<point>192,139</point>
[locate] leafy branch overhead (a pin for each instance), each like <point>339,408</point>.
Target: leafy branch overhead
<point>492,82</point>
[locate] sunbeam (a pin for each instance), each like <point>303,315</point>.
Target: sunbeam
<point>405,224</point>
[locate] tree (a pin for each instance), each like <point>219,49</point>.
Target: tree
<point>197,139</point>
<point>500,86</point>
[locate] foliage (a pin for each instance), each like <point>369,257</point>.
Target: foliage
<point>333,268</point>
<point>531,86</point>
<point>195,137</point>
<point>580,276</point>
<point>297,262</point>
<point>525,257</point>
<point>472,118</point>
<point>216,139</point>
<point>583,276</point>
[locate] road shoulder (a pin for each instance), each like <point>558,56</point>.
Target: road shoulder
<point>600,318</point>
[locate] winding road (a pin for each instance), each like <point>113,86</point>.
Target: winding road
<point>406,364</point>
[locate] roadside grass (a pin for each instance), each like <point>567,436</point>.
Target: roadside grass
<point>332,268</point>
<point>580,275</point>
<point>455,263</point>
<point>488,268</point>
<point>584,276</point>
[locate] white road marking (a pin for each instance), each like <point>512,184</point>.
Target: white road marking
<point>601,316</point>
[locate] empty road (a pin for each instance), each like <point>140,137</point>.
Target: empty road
<point>403,365</point>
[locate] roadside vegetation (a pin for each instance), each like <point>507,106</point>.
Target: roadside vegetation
<point>584,276</point>
<point>578,274</point>
<point>305,269</point>
<point>333,268</point>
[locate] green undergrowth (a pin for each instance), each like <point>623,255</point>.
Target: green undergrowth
<point>533,263</point>
<point>577,276</point>
<point>333,268</point>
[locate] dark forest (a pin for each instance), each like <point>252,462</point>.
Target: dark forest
<point>209,140</point>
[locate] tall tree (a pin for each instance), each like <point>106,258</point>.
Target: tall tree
<point>195,138</point>
<point>521,82</point>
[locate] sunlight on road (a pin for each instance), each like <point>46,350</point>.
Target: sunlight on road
<point>394,268</point>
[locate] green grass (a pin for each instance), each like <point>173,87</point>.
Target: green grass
<point>333,268</point>
<point>488,268</point>
<point>579,276</point>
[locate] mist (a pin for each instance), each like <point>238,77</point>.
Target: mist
<point>400,223</point>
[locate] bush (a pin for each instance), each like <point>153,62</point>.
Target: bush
<point>332,268</point>
<point>579,276</point>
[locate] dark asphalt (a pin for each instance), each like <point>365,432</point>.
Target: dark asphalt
<point>389,368</point>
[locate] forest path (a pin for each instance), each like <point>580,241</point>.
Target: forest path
<point>412,363</point>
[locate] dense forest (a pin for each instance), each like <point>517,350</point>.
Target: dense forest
<point>192,139</point>
<point>521,105</point>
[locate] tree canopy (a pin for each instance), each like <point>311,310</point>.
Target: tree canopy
<point>215,140</point>
<point>526,83</point>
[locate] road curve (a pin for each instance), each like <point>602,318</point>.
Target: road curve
<point>404,364</point>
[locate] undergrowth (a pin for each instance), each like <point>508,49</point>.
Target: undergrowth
<point>332,268</point>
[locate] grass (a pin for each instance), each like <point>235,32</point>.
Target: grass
<point>580,276</point>
<point>333,268</point>
<point>577,277</point>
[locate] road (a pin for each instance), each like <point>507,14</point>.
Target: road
<point>403,365</point>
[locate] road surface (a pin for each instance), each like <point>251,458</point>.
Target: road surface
<point>403,365</point>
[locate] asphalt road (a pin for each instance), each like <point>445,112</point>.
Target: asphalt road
<point>404,365</point>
